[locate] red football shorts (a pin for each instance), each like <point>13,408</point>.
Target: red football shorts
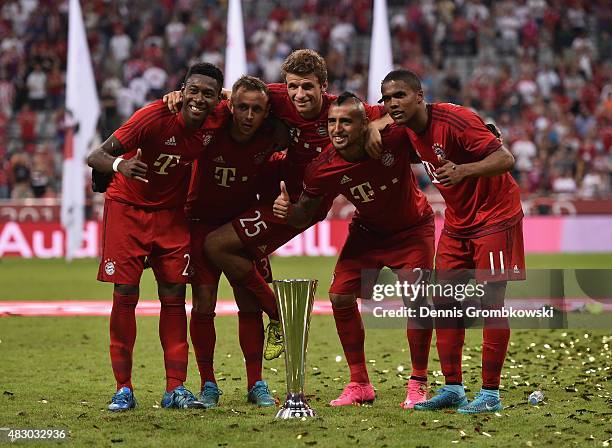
<point>405,250</point>
<point>496,257</point>
<point>203,271</point>
<point>132,233</point>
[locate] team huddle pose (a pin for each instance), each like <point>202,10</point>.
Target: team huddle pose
<point>209,185</point>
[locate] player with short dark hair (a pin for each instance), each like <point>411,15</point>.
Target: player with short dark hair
<point>403,242</point>
<point>224,183</point>
<point>482,231</point>
<point>153,152</point>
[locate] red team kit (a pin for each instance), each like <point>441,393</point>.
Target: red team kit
<point>483,219</point>
<point>376,239</point>
<point>200,179</point>
<point>142,213</point>
<point>260,231</point>
<point>224,182</point>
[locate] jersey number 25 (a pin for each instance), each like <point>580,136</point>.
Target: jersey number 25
<point>252,226</point>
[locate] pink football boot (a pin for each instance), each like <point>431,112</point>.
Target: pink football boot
<point>416,392</point>
<point>355,393</point>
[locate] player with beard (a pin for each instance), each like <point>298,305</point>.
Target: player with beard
<point>404,242</point>
<point>223,185</point>
<point>153,152</point>
<point>482,231</point>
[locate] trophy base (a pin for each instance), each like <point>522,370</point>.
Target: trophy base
<point>295,407</point>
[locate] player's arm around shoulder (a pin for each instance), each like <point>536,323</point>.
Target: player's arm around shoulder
<point>297,215</point>
<point>107,159</point>
<point>374,143</point>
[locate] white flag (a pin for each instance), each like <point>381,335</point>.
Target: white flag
<point>83,110</point>
<point>381,56</point>
<point>235,54</point>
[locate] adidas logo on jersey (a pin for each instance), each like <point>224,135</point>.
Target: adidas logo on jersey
<point>219,159</point>
<point>345,179</point>
<point>171,141</point>
<point>516,270</point>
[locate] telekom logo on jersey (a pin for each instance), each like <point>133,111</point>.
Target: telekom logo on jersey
<point>224,175</point>
<point>363,192</point>
<point>165,161</point>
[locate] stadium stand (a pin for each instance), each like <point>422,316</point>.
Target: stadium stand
<point>541,69</point>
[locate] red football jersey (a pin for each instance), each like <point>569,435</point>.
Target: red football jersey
<point>308,137</point>
<point>477,205</point>
<point>384,191</point>
<point>224,180</point>
<point>168,148</point>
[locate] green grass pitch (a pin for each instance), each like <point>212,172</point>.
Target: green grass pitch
<point>55,373</point>
<point>38,279</point>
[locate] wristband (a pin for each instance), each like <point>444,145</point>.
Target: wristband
<point>116,163</point>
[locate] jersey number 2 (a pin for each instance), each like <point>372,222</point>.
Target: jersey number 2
<point>186,270</point>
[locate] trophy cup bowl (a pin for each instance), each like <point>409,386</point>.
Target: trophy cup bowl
<point>295,298</point>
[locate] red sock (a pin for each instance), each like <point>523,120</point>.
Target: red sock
<point>255,283</point>
<point>203,339</point>
<point>123,337</point>
<point>251,336</point>
<point>494,347</point>
<point>450,335</point>
<point>352,337</point>
<point>173,336</point>
<point>419,341</point>
<point>449,342</point>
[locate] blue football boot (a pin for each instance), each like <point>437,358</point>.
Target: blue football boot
<point>180,398</point>
<point>484,402</point>
<point>260,395</point>
<point>123,400</point>
<point>209,396</point>
<point>448,397</point>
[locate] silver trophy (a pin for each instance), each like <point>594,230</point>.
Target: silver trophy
<point>295,298</point>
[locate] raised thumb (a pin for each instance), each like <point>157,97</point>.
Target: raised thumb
<point>138,154</point>
<point>283,188</point>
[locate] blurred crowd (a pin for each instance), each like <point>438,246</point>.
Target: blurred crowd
<point>540,69</point>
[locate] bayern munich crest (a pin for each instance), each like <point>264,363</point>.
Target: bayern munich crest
<point>207,139</point>
<point>109,267</point>
<point>387,159</point>
<point>438,150</point>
